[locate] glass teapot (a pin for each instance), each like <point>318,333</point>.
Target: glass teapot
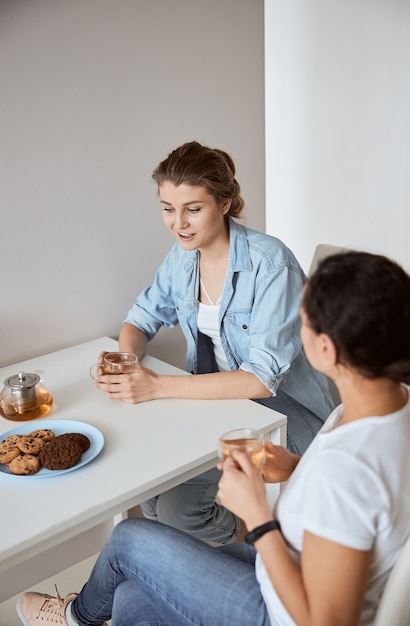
<point>25,397</point>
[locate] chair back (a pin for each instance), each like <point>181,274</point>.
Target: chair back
<point>322,251</point>
<point>394,606</point>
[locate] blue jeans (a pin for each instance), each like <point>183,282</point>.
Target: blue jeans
<point>151,574</point>
<point>191,507</point>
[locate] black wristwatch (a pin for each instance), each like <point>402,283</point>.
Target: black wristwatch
<point>259,531</point>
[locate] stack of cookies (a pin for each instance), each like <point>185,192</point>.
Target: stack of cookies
<point>27,454</point>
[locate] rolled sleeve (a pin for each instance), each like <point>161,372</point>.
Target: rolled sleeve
<point>274,330</point>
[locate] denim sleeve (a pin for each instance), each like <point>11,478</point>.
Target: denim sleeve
<point>155,305</point>
<point>274,330</point>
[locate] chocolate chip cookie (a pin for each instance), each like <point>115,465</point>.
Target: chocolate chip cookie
<point>30,445</point>
<point>8,452</point>
<point>25,464</point>
<point>43,433</point>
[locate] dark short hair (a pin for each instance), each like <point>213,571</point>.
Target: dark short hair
<point>362,301</point>
<point>197,165</point>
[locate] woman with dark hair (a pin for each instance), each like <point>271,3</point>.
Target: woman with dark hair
<point>235,293</point>
<point>324,554</point>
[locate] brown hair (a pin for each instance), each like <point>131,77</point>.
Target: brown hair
<point>197,165</point>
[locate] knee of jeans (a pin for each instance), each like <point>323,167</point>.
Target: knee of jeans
<point>187,511</point>
<point>120,536</point>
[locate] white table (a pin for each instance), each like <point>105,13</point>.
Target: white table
<point>149,447</point>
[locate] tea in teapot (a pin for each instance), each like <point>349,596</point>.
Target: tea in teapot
<point>25,397</point>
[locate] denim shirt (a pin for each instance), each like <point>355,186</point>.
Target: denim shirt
<point>259,313</point>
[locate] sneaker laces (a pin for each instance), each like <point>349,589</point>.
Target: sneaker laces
<point>53,609</point>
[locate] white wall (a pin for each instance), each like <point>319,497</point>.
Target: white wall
<point>94,93</point>
<point>338,125</point>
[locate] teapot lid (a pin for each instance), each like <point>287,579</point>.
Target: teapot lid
<point>22,380</point>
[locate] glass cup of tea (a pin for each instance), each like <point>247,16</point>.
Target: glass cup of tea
<point>112,363</point>
<point>245,440</point>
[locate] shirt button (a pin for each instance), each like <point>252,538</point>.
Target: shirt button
<point>244,326</point>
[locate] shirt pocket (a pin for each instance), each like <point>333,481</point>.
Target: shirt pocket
<point>237,329</point>
<point>186,311</point>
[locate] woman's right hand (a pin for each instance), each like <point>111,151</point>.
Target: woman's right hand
<point>241,489</point>
<point>279,463</point>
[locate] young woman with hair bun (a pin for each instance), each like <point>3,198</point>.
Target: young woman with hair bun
<point>235,293</point>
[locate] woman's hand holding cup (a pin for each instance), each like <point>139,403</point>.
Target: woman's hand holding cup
<point>112,363</point>
<point>244,440</point>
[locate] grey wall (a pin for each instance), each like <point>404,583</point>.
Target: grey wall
<point>94,93</point>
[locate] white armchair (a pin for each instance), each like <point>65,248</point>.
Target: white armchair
<point>394,606</point>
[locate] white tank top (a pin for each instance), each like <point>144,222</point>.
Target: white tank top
<point>208,325</point>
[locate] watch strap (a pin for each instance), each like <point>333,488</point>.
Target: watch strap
<point>261,530</point>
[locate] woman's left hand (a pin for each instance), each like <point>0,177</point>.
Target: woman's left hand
<point>242,490</point>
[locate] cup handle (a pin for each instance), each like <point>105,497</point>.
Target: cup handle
<point>94,371</point>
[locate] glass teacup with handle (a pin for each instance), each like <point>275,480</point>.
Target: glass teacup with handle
<point>113,363</point>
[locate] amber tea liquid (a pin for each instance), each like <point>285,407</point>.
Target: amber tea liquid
<point>253,447</point>
<point>42,407</point>
<point>113,361</point>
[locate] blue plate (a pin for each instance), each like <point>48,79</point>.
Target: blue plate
<point>59,427</point>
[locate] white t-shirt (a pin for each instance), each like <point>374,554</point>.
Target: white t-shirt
<point>351,486</point>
